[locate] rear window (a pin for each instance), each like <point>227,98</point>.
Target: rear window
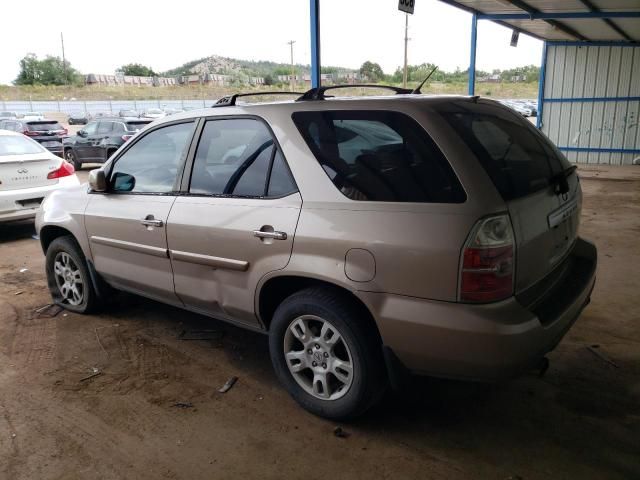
<point>18,145</point>
<point>135,126</point>
<point>44,126</point>
<point>7,114</point>
<point>517,157</point>
<point>379,156</point>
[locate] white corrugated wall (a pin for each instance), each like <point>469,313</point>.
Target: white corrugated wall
<point>592,131</point>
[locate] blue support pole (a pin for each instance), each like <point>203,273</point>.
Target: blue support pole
<point>543,67</point>
<point>472,60</point>
<point>315,42</point>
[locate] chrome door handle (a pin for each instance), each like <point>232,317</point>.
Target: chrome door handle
<point>150,222</point>
<point>274,235</point>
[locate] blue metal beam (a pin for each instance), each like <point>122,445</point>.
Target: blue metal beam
<point>314,6</point>
<point>543,68</point>
<point>600,150</point>
<point>472,59</point>
<point>556,15</point>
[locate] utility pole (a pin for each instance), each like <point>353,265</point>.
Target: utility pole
<point>293,72</point>
<point>64,62</point>
<point>406,40</point>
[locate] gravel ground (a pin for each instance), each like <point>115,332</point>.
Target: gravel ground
<point>154,410</point>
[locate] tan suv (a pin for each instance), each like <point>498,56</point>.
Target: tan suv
<point>366,236</point>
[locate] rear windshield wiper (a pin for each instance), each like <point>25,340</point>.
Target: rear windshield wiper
<point>559,180</point>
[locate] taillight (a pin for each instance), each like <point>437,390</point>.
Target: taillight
<point>65,170</point>
<point>29,133</point>
<point>488,261</point>
<point>65,131</point>
<point>126,137</point>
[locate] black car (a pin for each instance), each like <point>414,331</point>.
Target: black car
<point>96,142</point>
<point>79,118</point>
<point>48,133</point>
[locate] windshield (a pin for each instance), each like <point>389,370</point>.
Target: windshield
<point>18,145</point>
<point>517,157</point>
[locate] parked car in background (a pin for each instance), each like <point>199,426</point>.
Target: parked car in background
<point>102,114</point>
<point>33,116</point>
<point>96,142</point>
<point>367,236</point>
<point>28,173</point>
<point>79,118</point>
<point>128,113</point>
<point>48,133</point>
<point>172,111</point>
<point>8,115</point>
<point>153,113</point>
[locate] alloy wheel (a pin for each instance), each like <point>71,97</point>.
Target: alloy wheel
<point>68,279</point>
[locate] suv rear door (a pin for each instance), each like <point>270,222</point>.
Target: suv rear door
<point>235,222</point>
<point>82,142</point>
<point>529,172</point>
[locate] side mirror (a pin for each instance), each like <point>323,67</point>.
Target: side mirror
<point>82,133</point>
<point>123,182</point>
<point>97,180</point>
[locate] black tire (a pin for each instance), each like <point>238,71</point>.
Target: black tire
<point>369,380</point>
<point>68,245</point>
<point>71,157</point>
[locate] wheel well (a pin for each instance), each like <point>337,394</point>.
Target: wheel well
<point>49,233</point>
<point>275,290</point>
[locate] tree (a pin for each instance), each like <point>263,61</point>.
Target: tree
<point>50,71</point>
<point>371,71</point>
<point>137,70</point>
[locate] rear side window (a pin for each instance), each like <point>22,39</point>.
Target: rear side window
<point>44,126</point>
<point>379,156</point>
<point>239,158</point>
<point>516,156</point>
<point>104,127</point>
<point>135,126</point>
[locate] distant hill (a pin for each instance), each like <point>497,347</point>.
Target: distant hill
<point>244,68</point>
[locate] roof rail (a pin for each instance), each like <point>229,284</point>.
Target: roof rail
<point>230,100</point>
<point>318,93</point>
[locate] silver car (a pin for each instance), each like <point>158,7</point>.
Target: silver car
<point>368,237</point>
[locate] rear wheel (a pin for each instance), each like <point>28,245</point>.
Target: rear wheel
<point>326,355</point>
<point>71,157</point>
<point>68,276</point>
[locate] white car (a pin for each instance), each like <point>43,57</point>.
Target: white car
<point>28,173</point>
<point>153,113</point>
<point>36,116</point>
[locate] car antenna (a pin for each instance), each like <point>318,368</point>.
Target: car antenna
<point>416,91</point>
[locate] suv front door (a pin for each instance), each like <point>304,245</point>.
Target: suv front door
<point>82,146</point>
<point>127,224</point>
<point>236,222</point>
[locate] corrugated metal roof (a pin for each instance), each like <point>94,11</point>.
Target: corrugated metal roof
<point>562,28</point>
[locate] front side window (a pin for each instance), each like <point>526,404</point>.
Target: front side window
<point>379,156</point>
<point>238,158</point>
<point>91,128</point>
<point>151,165</point>
<point>104,128</point>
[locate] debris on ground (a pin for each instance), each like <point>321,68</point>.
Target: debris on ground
<point>35,236</point>
<point>200,335</point>
<point>22,270</point>
<point>594,349</point>
<point>227,386</point>
<point>183,405</point>
<point>20,292</point>
<point>48,311</point>
<point>95,373</point>
<point>340,432</point>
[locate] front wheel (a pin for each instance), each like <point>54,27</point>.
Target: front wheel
<point>71,157</point>
<point>68,276</point>
<point>326,354</point>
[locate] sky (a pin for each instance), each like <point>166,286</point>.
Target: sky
<point>100,37</point>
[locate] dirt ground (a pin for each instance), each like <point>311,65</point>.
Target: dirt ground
<point>154,410</point>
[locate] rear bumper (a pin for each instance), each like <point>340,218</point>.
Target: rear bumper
<point>24,203</point>
<point>483,342</point>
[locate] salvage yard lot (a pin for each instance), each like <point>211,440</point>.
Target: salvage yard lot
<point>121,395</point>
